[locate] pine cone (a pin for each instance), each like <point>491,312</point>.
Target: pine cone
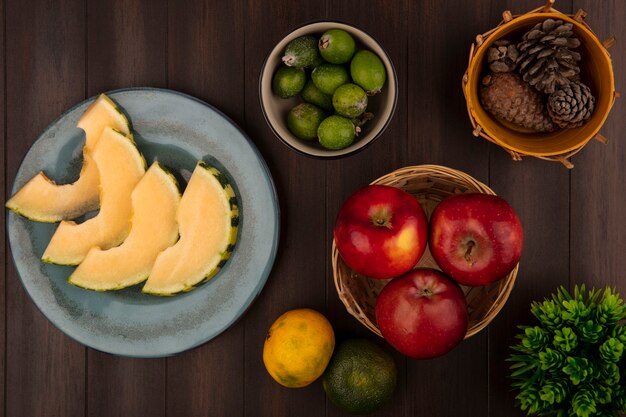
<point>507,96</point>
<point>546,60</point>
<point>571,105</point>
<point>502,57</point>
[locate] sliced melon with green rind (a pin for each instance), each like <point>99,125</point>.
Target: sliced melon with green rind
<point>41,199</point>
<point>208,219</point>
<point>102,113</point>
<point>155,202</point>
<point>120,167</point>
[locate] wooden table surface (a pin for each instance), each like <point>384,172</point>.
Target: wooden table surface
<point>57,53</point>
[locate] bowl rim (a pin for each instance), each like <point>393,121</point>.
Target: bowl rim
<point>473,77</point>
<point>340,155</point>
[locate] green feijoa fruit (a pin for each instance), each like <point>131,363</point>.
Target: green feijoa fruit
<point>368,71</point>
<point>311,94</point>
<point>336,132</point>
<point>288,81</point>
<point>327,77</point>
<point>317,62</point>
<point>336,46</point>
<point>349,100</point>
<point>301,52</point>
<point>304,119</point>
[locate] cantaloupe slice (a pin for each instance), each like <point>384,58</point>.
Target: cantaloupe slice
<point>155,201</point>
<point>101,114</point>
<point>208,218</point>
<point>42,200</point>
<point>120,167</point>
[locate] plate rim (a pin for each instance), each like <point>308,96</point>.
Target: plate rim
<point>241,312</point>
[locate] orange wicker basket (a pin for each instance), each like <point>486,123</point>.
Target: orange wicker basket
<point>596,71</point>
<point>429,184</point>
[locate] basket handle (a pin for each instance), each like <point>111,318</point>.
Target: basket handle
<point>601,138</point>
<point>566,162</point>
<point>609,42</point>
<point>548,7</point>
<point>580,15</point>
<point>514,155</point>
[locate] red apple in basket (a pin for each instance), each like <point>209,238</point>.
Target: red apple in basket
<point>381,231</point>
<point>475,238</point>
<point>423,314</point>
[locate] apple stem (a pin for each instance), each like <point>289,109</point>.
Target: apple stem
<point>381,217</point>
<point>382,222</point>
<point>468,253</point>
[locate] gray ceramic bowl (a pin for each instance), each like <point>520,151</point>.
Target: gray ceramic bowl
<point>275,109</point>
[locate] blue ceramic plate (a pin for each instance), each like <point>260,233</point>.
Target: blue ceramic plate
<point>178,130</point>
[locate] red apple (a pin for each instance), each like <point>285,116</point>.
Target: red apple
<point>423,314</point>
<point>475,238</point>
<point>381,231</point>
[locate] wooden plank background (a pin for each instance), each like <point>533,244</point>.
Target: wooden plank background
<point>55,54</point>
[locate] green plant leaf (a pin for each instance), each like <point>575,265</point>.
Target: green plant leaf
<point>583,403</point>
<point>620,398</point>
<point>611,308</point>
<point>619,332</point>
<point>611,351</point>
<point>554,391</point>
<point>523,370</point>
<point>530,401</point>
<point>575,311</point>
<point>551,359</point>
<point>565,339</point>
<point>610,374</point>
<point>548,313</point>
<point>578,369</point>
<point>603,393</point>
<point>535,339</point>
<point>590,331</point>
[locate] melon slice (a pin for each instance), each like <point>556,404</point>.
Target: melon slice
<point>42,200</point>
<point>120,167</point>
<point>101,114</point>
<point>155,202</point>
<point>208,218</point>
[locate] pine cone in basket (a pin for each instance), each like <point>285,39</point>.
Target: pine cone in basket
<point>502,57</point>
<point>571,105</point>
<point>507,96</point>
<point>546,58</point>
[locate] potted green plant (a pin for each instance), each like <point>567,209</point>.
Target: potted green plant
<point>572,363</point>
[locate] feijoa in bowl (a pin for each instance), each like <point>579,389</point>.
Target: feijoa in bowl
<point>276,109</point>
